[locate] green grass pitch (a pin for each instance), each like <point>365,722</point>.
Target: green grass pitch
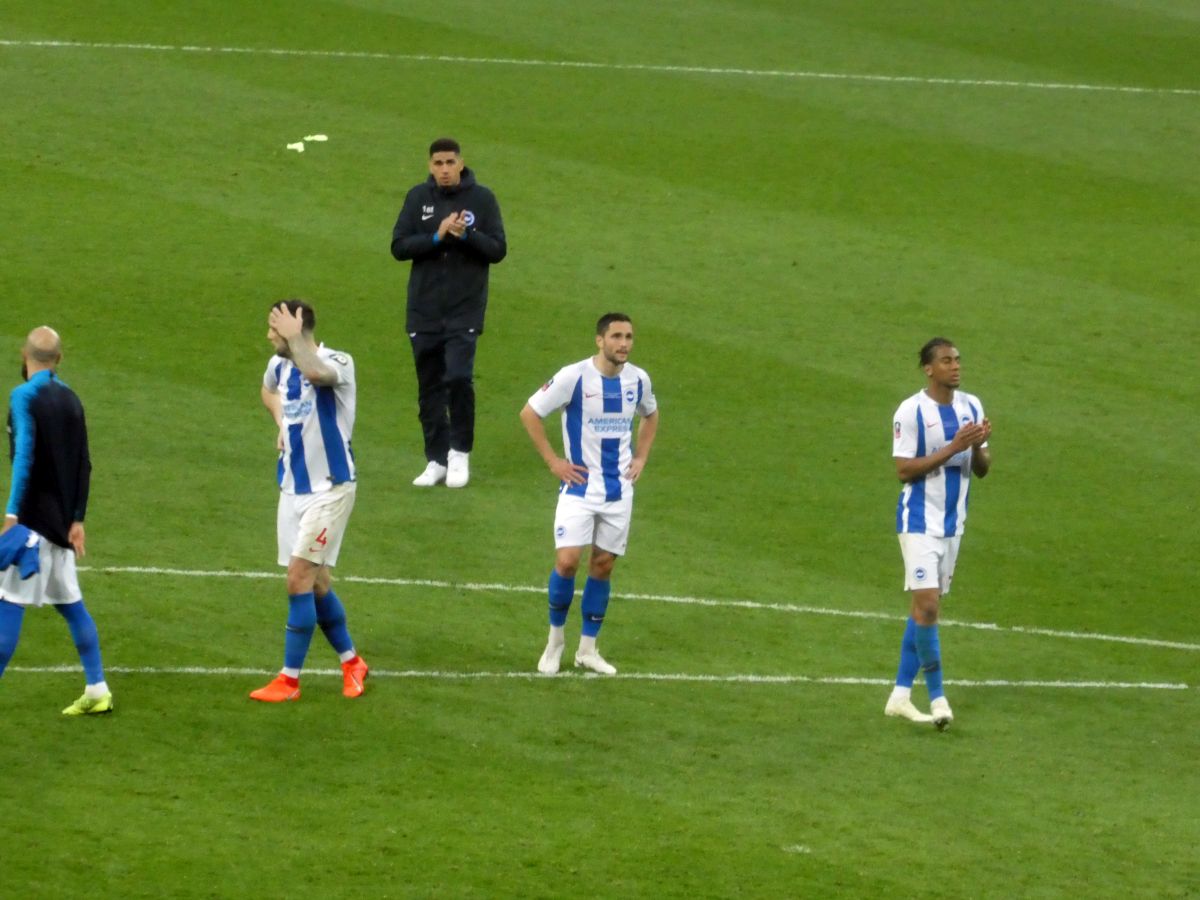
<point>789,198</point>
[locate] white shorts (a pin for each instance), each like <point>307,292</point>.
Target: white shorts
<point>311,526</point>
<point>579,522</point>
<point>928,561</point>
<point>56,583</point>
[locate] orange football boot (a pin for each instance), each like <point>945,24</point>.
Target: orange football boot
<point>354,676</point>
<point>280,690</point>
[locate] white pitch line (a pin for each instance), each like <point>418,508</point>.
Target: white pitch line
<point>660,598</point>
<point>607,66</point>
<point>434,675</point>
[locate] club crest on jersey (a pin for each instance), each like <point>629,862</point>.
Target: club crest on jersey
<point>468,217</point>
<point>630,396</point>
<point>919,573</point>
<point>560,531</point>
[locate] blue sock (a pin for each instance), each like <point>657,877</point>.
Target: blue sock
<point>561,591</point>
<point>331,616</point>
<point>931,659</point>
<point>302,619</point>
<point>87,640</point>
<point>909,661</point>
<point>593,604</point>
<point>11,615</point>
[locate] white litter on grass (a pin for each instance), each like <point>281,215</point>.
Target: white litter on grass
<point>316,137</point>
<point>298,146</point>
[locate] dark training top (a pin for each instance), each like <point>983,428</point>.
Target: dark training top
<point>48,446</point>
<point>447,288</point>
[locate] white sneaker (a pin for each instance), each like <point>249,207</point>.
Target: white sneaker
<point>551,659</point>
<point>594,661</point>
<point>902,707</point>
<point>434,473</point>
<point>942,717</point>
<point>457,470</point>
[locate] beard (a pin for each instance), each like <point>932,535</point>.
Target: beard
<point>24,372</point>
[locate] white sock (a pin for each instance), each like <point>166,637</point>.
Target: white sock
<point>96,691</point>
<point>558,635</point>
<point>290,673</point>
<point>902,693</point>
<point>587,645</point>
<point>348,655</point>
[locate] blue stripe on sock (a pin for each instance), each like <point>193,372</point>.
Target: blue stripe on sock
<point>11,616</point>
<point>301,621</point>
<point>594,604</point>
<point>910,663</point>
<point>86,638</point>
<point>331,616</point>
<point>561,591</point>
<point>930,654</point>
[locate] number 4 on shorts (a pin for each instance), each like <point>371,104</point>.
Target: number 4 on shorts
<point>320,539</point>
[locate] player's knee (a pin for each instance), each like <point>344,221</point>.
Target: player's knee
<point>925,606</point>
<point>301,577</point>
<point>600,566</point>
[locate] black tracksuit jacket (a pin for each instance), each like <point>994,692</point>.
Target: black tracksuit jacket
<point>448,285</point>
<point>48,446</point>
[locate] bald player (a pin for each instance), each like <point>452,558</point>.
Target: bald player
<point>43,521</point>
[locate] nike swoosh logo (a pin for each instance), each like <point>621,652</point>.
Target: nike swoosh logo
<point>426,218</point>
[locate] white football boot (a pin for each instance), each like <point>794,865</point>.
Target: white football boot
<point>900,705</point>
<point>588,657</point>
<point>435,473</point>
<point>458,472</point>
<point>552,655</point>
<point>942,716</point>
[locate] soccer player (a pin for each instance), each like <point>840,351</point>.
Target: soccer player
<point>599,398</point>
<point>940,437</point>
<point>310,393</point>
<point>43,521</point>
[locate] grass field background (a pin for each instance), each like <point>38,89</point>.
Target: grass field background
<point>789,199</point>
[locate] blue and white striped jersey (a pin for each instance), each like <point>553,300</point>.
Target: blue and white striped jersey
<point>597,423</point>
<point>319,422</point>
<point>935,504</point>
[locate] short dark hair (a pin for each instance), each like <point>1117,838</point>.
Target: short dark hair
<point>607,319</point>
<point>445,145</point>
<point>930,346</point>
<point>308,316</point>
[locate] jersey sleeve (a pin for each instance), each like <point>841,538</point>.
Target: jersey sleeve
<point>904,432</point>
<point>342,364</point>
<point>271,376</point>
<point>22,436</point>
<point>555,393</point>
<point>977,413</point>
<point>647,403</point>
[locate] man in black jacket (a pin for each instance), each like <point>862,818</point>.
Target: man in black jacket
<point>450,228</point>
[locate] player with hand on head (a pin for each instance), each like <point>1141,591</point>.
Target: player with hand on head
<point>599,398</point>
<point>939,441</point>
<point>310,392</point>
